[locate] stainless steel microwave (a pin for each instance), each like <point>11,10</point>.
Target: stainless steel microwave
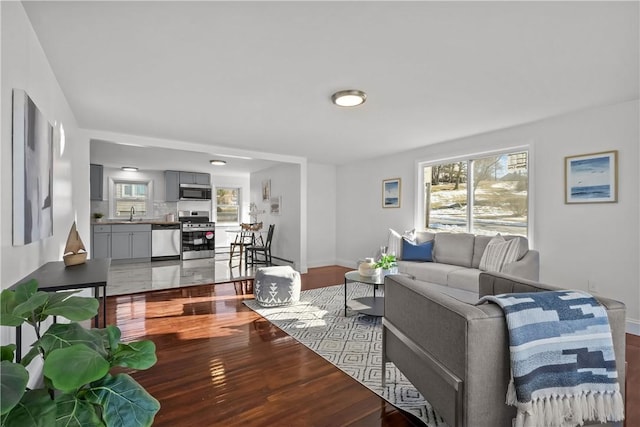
<point>195,192</point>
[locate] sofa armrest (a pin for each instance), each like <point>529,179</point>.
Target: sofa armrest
<point>527,267</point>
<point>463,338</point>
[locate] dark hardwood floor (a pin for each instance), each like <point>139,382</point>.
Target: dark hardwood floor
<point>219,363</point>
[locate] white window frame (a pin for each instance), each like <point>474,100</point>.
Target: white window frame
<point>112,195</point>
<point>420,197</point>
<point>229,187</point>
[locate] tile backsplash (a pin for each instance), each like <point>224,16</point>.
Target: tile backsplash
<point>160,208</point>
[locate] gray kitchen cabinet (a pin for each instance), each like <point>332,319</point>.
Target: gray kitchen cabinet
<point>141,244</point>
<point>202,178</point>
<point>194,178</point>
<point>131,241</point>
<point>101,241</point>
<point>172,186</point>
<point>95,182</point>
<point>121,245</point>
<point>187,177</point>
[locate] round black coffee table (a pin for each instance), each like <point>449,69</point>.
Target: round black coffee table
<point>371,306</point>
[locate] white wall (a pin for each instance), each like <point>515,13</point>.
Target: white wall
<point>285,182</point>
<point>577,243</point>
<point>24,66</point>
<point>321,209</point>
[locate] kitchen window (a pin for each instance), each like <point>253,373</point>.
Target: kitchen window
<point>486,194</point>
<point>130,194</point>
<point>228,205</point>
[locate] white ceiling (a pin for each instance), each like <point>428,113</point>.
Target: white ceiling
<point>258,76</point>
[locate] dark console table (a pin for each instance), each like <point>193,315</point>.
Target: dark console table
<point>55,276</point>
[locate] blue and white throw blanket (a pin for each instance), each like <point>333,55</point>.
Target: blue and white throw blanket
<point>563,365</point>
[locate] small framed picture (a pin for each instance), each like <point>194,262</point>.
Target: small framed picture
<point>275,205</point>
<point>266,190</point>
<point>391,193</point>
<point>591,178</point>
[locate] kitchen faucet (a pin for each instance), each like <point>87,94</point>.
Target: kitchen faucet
<point>133,211</point>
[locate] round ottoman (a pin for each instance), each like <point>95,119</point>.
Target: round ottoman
<point>276,285</point>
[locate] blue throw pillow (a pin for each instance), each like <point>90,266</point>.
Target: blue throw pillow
<point>417,251</point>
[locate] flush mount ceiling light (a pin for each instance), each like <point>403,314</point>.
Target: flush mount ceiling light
<point>349,98</point>
<point>129,169</point>
<point>218,162</point>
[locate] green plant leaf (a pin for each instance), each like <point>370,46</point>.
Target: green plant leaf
<point>73,412</point>
<point>73,308</point>
<point>13,383</point>
<point>113,334</point>
<point>26,290</point>
<point>125,402</point>
<point>35,303</point>
<point>36,409</point>
<point>7,352</point>
<point>73,367</point>
<point>61,335</point>
<point>136,355</point>
<point>7,304</point>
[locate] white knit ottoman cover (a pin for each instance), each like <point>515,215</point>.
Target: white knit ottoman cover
<point>277,285</point>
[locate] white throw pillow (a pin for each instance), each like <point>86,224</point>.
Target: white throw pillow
<point>498,253</point>
<point>394,242</point>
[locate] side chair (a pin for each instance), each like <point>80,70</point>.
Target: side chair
<point>265,249</point>
<point>244,239</point>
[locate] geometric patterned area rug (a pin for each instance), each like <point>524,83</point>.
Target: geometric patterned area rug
<point>352,343</point>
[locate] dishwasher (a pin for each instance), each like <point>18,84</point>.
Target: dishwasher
<point>165,241</point>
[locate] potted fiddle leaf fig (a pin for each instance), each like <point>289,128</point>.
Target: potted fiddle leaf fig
<point>77,387</point>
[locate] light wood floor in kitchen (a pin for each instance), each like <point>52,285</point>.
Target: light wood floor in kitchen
<point>221,364</point>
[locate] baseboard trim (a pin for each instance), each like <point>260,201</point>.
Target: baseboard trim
<point>633,327</point>
<point>346,263</point>
<point>316,264</point>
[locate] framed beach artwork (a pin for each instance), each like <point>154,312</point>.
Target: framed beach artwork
<point>32,172</point>
<point>391,193</point>
<point>591,178</point>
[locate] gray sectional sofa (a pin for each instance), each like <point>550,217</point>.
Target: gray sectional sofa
<point>456,353</point>
<point>456,262</point>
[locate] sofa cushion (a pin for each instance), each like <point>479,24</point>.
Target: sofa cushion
<point>427,271</point>
<point>454,248</point>
<point>498,253</point>
<point>465,279</point>
<point>417,251</point>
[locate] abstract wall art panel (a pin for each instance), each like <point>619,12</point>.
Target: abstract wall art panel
<point>32,172</point>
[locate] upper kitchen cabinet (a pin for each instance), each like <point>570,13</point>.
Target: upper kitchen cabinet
<point>194,178</point>
<point>172,186</point>
<point>95,179</point>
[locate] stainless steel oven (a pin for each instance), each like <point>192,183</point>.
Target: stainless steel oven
<point>198,235</point>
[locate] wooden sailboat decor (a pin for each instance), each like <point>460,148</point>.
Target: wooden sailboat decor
<point>74,251</point>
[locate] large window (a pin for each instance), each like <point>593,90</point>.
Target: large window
<point>131,196</point>
<point>484,195</point>
<point>228,205</point>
